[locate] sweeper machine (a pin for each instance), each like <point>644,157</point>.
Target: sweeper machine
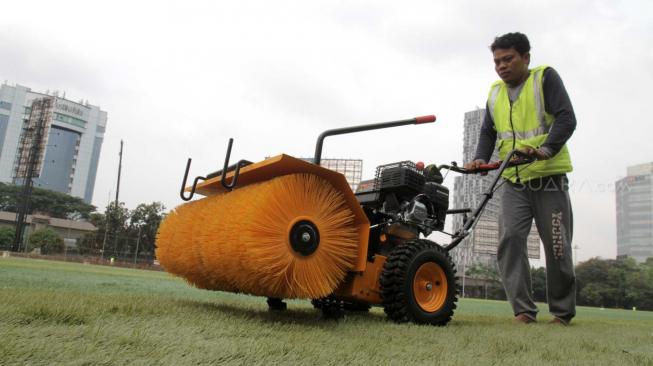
<point>287,228</point>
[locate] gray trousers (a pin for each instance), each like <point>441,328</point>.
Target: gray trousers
<point>547,201</point>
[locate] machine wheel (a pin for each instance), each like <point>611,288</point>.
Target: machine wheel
<point>418,284</point>
<point>357,307</point>
<point>330,307</point>
<point>352,306</point>
<point>276,304</point>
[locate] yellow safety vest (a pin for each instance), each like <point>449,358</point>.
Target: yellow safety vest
<point>525,123</point>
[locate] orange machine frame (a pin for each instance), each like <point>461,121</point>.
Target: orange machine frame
<point>364,286</point>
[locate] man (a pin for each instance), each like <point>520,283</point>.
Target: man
<point>529,110</point>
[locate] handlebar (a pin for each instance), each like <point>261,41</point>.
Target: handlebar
<point>513,158</point>
<point>516,158</point>
<point>374,126</point>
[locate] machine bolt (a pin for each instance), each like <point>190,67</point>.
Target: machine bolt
<point>304,238</point>
<point>429,286</point>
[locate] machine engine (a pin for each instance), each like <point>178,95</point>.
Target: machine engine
<point>404,201</point>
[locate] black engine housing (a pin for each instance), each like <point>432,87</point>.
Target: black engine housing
<point>395,190</point>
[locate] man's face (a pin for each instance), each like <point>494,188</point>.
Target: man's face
<point>510,65</point>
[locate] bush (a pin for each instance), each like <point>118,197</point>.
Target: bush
<point>47,240</point>
<point>6,237</point>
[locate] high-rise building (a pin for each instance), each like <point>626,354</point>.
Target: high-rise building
<point>634,195</point>
<point>482,243</point>
<point>71,143</point>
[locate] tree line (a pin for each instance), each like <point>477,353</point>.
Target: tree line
<point>120,229</point>
<point>614,283</point>
<point>51,203</point>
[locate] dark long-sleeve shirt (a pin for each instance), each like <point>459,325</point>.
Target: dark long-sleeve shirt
<point>556,103</point>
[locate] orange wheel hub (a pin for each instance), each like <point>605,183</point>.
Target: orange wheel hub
<point>430,287</point>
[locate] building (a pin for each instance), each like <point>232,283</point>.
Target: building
<point>71,144</point>
<point>352,169</point>
<point>634,195</point>
<point>481,245</point>
<point>70,230</point>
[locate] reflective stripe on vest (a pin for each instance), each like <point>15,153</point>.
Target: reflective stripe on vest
<point>539,108</point>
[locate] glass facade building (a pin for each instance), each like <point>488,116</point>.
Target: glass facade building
<point>481,245</point>
<point>634,199</point>
<point>71,145</point>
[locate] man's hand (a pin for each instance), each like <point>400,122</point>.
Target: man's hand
<point>539,153</point>
<point>473,165</point>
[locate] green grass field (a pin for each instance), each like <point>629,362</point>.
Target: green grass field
<point>54,313</point>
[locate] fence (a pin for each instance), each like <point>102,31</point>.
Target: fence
<point>96,248</point>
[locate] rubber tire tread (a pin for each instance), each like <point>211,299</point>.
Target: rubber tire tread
<point>330,307</point>
<point>396,287</point>
<point>351,306</point>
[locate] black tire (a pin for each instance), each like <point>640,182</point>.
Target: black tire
<point>357,307</point>
<point>397,283</point>
<point>276,304</point>
<point>330,307</point>
<point>351,306</point>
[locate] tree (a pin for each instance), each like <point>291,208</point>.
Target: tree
<point>6,236</point>
<point>649,262</point>
<point>123,228</point>
<point>147,218</point>
<point>47,240</point>
<point>538,279</point>
<point>54,204</point>
<point>640,288</point>
<point>620,283</point>
<point>484,272</point>
<point>590,271</point>
<point>117,218</point>
<point>619,278</point>
<point>596,294</point>
<point>490,275</point>
<point>98,220</point>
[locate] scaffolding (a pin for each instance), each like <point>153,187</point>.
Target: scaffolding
<point>29,159</point>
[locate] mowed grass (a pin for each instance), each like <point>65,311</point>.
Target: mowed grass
<point>54,313</point>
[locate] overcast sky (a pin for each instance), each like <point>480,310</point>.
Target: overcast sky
<point>178,78</point>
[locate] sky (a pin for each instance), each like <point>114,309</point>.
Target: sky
<point>179,78</point>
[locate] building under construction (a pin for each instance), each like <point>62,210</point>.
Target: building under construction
<point>49,142</point>
<point>69,145</point>
<point>33,140</point>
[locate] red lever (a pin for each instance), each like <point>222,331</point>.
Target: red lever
<point>490,166</point>
<point>424,119</point>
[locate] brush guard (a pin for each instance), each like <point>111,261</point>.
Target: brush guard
<point>223,173</point>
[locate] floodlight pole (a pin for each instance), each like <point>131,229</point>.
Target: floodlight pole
<point>115,228</point>
<point>106,226</point>
<point>119,169</point>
